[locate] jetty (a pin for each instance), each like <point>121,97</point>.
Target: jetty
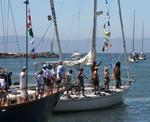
<point>46,54</point>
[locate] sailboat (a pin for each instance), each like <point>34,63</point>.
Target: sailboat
<point>92,101</point>
<point>33,110</point>
<point>133,57</point>
<point>142,55</point>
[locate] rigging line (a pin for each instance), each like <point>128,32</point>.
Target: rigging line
<point>72,23</point>
<point>43,36</point>
<point>7,29</point>
<point>52,43</point>
<point>3,26</point>
<point>124,41</point>
<point>133,31</point>
<point>60,8</point>
<point>15,29</point>
<point>142,35</point>
<point>79,12</point>
<point>76,8</point>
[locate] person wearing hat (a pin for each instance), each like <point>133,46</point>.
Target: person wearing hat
<point>106,79</point>
<point>60,74</point>
<point>50,78</point>
<point>44,72</point>
<point>23,84</point>
<point>39,85</point>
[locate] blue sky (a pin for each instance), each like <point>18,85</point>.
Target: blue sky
<point>73,28</point>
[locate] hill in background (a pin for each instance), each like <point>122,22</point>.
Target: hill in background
<point>68,46</point>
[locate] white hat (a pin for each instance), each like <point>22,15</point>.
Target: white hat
<point>44,66</point>
<point>105,68</point>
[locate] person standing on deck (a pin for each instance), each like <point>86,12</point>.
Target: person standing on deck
<point>40,85</point>
<point>60,74</point>
<point>96,81</point>
<point>68,80</point>
<point>8,80</point>
<point>50,78</point>
<point>81,81</point>
<point>117,75</point>
<point>3,93</point>
<point>44,72</point>
<point>23,86</point>
<point>94,65</point>
<point>106,79</point>
<point>95,77</point>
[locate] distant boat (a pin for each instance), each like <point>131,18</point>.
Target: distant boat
<point>133,56</point>
<point>76,55</point>
<point>91,101</point>
<point>142,56</point>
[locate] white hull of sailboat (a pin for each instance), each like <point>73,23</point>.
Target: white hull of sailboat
<point>132,60</point>
<point>92,101</point>
<point>141,58</point>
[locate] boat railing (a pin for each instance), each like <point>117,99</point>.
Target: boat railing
<point>13,95</point>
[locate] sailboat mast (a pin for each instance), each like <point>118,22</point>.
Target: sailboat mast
<point>26,3</point>
<point>142,36</point>
<point>124,42</point>
<point>133,31</point>
<point>93,48</point>
<point>56,28</point>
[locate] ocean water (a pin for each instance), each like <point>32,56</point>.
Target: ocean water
<point>136,107</point>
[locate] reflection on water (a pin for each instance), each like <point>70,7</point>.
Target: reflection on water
<point>113,114</point>
<point>132,110</point>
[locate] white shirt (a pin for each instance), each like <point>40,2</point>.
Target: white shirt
<point>50,74</point>
<point>22,80</point>
<point>60,72</point>
<point>68,77</point>
<point>2,83</point>
<point>40,80</point>
<point>44,73</point>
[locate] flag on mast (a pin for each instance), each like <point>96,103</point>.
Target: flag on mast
<point>29,28</point>
<point>29,24</point>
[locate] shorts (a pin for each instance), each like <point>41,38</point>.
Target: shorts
<point>3,94</point>
<point>95,82</point>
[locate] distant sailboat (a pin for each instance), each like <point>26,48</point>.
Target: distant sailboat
<point>133,57</point>
<point>142,55</point>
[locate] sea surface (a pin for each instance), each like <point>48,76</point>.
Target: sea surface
<point>136,107</point>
